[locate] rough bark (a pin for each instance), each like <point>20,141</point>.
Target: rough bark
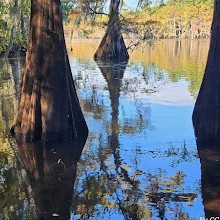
<point>112,46</point>
<point>210,169</point>
<point>51,170</point>
<point>49,108</point>
<point>206,115</point>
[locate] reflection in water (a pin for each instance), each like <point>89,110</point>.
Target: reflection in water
<point>51,169</point>
<point>184,59</point>
<point>10,71</point>
<point>113,74</point>
<point>15,72</point>
<point>17,66</point>
<point>209,154</point>
<point>140,161</point>
<point>118,179</point>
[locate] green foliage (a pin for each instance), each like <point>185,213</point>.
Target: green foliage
<point>67,7</point>
<point>164,19</point>
<point>196,3</point>
<point>14,24</point>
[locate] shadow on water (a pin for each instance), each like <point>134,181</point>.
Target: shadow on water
<point>51,169</point>
<point>209,154</point>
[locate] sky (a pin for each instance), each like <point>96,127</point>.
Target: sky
<point>133,3</point>
<point>130,3</point>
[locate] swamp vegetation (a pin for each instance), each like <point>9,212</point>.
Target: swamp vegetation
<point>142,158</point>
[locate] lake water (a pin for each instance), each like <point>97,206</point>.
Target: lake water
<point>140,160</point>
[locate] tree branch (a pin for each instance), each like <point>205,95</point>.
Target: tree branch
<point>97,13</point>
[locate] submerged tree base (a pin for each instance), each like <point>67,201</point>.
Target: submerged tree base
<point>112,46</point>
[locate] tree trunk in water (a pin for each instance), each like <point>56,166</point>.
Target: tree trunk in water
<point>112,46</point>
<point>49,108</point>
<point>206,115</point>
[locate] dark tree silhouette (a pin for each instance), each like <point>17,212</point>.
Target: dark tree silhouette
<point>113,75</point>
<point>112,46</point>
<point>51,169</point>
<point>206,115</point>
<point>210,168</point>
<point>49,108</point>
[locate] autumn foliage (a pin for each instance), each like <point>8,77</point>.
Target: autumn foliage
<point>175,19</point>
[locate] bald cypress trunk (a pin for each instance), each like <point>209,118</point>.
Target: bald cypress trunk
<point>49,108</point>
<point>206,115</point>
<point>112,46</point>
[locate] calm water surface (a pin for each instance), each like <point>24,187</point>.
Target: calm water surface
<point>140,160</point>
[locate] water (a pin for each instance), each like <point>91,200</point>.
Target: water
<point>140,160</point>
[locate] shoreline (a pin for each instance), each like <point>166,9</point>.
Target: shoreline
<point>98,40</point>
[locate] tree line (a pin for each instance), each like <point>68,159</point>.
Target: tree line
<point>88,19</point>
<point>162,20</point>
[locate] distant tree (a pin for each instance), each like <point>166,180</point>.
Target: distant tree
<point>145,4</point>
<point>112,46</point>
<point>160,3</point>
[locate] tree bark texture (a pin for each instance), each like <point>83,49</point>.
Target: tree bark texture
<point>206,115</point>
<point>112,46</point>
<point>49,108</point>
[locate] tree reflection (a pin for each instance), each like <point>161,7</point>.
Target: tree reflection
<point>51,169</point>
<point>128,205</point>
<point>17,66</point>
<point>111,186</point>
<point>113,74</point>
<point>111,180</point>
<point>10,70</point>
<point>209,154</point>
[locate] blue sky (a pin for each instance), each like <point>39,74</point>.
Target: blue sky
<point>133,3</point>
<point>129,3</point>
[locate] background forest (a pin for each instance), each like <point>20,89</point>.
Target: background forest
<point>88,19</point>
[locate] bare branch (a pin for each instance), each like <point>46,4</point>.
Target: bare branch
<point>97,13</point>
